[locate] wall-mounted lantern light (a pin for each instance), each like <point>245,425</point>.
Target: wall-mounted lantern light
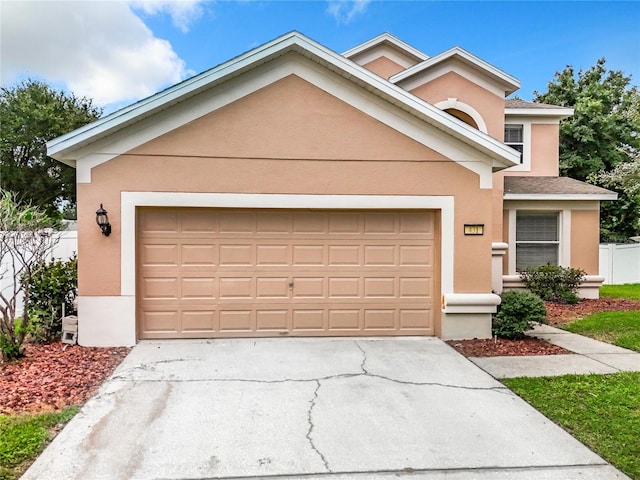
<point>103,221</point>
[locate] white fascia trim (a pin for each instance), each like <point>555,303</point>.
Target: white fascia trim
<point>346,68</point>
<point>558,113</point>
<point>457,67</point>
<point>511,83</point>
<point>386,38</point>
<point>402,121</point>
<point>559,196</point>
<point>463,107</point>
<point>131,200</point>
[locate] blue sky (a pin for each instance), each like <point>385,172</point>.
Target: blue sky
<point>119,51</point>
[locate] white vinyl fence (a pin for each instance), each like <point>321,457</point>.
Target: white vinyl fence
<point>620,263</point>
<point>65,249</point>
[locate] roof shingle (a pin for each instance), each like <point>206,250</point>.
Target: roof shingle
<point>531,185</point>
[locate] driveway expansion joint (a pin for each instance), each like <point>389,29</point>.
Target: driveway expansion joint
<point>311,426</point>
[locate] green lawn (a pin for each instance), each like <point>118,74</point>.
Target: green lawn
<point>619,328</point>
<point>628,290</point>
<point>602,411</point>
<point>23,437</point>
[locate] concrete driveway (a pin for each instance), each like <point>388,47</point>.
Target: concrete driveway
<point>313,408</point>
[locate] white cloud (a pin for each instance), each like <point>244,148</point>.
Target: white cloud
<point>344,10</point>
<point>183,12</point>
<point>98,49</point>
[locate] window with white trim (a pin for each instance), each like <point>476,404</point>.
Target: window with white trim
<point>537,239</point>
<point>514,137</point>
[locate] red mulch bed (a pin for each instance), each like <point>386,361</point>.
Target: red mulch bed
<point>490,347</point>
<point>557,314</point>
<point>56,375</point>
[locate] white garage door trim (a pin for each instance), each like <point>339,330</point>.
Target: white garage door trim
<point>131,200</point>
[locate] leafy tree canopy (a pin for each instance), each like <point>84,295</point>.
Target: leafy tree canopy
<point>33,113</point>
<point>603,132</point>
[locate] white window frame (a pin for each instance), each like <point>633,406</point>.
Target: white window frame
<point>515,144</point>
<point>564,233</point>
<point>525,161</point>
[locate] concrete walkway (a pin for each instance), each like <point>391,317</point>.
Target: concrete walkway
<point>326,408</point>
<point>589,356</point>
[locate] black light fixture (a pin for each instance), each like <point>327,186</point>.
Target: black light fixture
<point>103,221</point>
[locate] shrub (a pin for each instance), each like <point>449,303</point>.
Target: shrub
<point>51,285</point>
<point>554,283</point>
<point>517,313</point>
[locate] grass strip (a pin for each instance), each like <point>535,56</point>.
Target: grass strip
<point>628,290</point>
<point>602,411</point>
<point>619,328</point>
<point>23,437</point>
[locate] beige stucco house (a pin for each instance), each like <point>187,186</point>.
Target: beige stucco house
<point>295,191</point>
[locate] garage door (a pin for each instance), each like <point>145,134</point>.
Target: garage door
<point>255,273</point>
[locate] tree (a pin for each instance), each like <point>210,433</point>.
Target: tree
<point>33,113</point>
<point>602,133</point>
<point>621,219</point>
<point>27,236</point>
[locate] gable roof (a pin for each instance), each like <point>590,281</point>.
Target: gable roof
<point>515,106</point>
<point>510,83</point>
<point>553,188</point>
<point>64,148</point>
<point>387,38</point>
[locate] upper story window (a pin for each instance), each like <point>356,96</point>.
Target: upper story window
<point>514,137</point>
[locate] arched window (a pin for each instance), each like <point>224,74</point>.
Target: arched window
<point>464,112</point>
<point>465,117</point>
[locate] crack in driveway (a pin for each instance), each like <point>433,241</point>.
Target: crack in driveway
<point>311,426</point>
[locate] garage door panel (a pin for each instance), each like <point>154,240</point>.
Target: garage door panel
<point>200,287</point>
<point>166,321</point>
<point>344,319</point>
<point>160,255</point>
<point>273,255</point>
<point>309,320</point>
<point>380,256</point>
<point>308,287</point>
<point>344,255</point>
<point>236,320</point>
<point>379,287</point>
<point>157,288</point>
<point>198,221</point>
<point>309,255</point>
<point>415,319</point>
<point>380,223</point>
<point>199,321</point>
<point>415,287</point>
<point>217,272</point>
<point>272,287</point>
<point>384,319</point>
<point>267,319</point>
<point>344,287</point>
<point>198,255</point>
<point>232,255</point>
<point>236,287</point>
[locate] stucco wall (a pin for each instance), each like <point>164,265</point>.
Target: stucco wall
<point>453,85</point>
<point>289,137</point>
<point>585,237</point>
<point>384,67</point>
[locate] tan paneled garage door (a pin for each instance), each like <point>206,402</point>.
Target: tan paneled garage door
<point>257,273</point>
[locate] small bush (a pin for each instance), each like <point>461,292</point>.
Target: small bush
<point>51,285</point>
<point>517,313</point>
<point>554,283</point>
